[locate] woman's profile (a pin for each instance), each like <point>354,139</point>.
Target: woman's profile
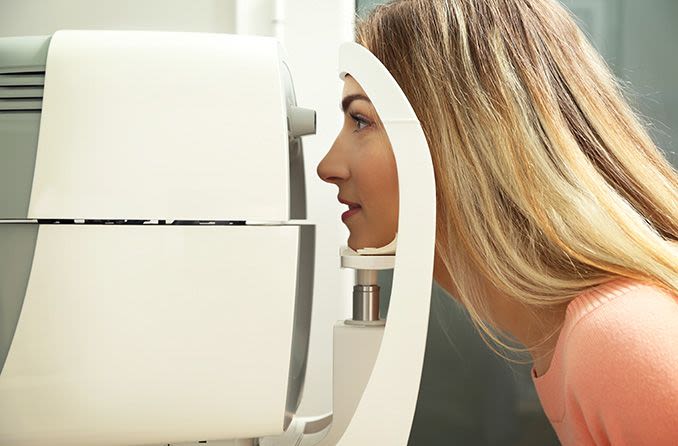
<point>557,216</point>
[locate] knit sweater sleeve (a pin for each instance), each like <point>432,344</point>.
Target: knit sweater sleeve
<point>622,370</point>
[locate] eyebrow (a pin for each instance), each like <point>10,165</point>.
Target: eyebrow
<point>350,98</point>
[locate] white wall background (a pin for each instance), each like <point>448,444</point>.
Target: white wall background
<point>311,31</point>
<point>41,17</point>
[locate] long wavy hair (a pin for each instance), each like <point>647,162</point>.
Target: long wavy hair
<point>547,183</point>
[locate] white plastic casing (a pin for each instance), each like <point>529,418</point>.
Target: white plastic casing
<point>148,334</point>
<point>163,126</point>
<point>386,410</point>
<point>135,335</point>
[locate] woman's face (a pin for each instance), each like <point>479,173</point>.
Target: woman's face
<point>361,164</point>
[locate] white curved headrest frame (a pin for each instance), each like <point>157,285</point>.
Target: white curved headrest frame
<point>386,410</point>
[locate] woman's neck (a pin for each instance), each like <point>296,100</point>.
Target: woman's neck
<point>538,329</point>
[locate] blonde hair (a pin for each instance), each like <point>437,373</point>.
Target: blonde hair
<point>547,183</point>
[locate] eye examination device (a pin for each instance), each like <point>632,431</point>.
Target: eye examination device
<point>156,261</point>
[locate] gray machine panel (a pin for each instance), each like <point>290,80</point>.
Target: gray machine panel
<point>17,246</point>
<point>23,54</point>
<point>18,149</point>
<point>301,333</point>
<point>22,76</point>
<point>297,179</point>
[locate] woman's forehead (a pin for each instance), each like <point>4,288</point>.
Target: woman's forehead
<point>351,87</point>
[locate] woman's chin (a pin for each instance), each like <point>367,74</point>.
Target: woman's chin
<point>355,242</point>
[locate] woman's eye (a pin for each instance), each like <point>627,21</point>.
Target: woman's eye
<point>360,122</point>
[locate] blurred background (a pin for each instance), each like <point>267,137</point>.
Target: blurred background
<point>468,395</point>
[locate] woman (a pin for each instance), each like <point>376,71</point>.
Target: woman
<point>557,218</point>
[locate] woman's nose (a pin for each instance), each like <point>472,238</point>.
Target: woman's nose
<point>333,168</point>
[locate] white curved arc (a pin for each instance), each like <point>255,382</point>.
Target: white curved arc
<point>386,410</point>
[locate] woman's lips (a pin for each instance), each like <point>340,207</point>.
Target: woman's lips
<point>346,215</point>
<point>352,208</point>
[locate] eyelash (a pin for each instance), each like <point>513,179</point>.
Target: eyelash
<point>360,120</point>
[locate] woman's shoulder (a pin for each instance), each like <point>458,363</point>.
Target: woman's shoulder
<point>620,359</point>
<point>616,327</point>
<point>621,301</point>
<point>622,311</point>
<point>622,350</point>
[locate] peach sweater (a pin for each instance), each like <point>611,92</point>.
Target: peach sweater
<point>613,379</point>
